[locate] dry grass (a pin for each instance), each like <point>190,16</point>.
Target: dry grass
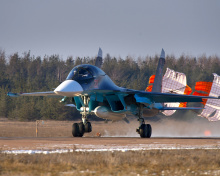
<point>155,162</point>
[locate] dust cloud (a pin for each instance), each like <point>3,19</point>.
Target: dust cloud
<point>166,127</point>
<point>194,128</point>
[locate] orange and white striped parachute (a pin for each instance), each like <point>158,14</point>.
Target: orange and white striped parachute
<point>151,79</point>
<point>187,91</point>
<point>212,106</point>
<point>173,82</point>
<point>203,87</point>
<point>150,82</point>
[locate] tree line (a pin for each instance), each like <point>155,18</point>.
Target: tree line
<point>28,73</point>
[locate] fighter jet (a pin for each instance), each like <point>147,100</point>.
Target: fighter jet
<point>93,92</point>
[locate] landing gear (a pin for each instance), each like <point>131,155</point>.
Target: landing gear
<point>78,129</point>
<point>81,129</point>
<point>88,127</point>
<point>75,130</point>
<point>144,130</point>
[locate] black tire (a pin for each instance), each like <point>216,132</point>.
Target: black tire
<point>75,130</point>
<point>142,131</point>
<point>149,130</point>
<point>145,130</point>
<point>81,129</point>
<point>88,127</point>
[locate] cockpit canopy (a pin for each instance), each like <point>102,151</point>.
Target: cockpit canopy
<point>84,72</point>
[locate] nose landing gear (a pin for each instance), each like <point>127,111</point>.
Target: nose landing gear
<point>78,129</point>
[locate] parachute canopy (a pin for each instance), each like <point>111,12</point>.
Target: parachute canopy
<point>173,82</point>
<point>212,106</point>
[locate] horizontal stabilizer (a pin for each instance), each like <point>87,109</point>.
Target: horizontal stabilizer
<point>181,108</point>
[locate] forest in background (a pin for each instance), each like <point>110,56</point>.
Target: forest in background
<point>28,73</point>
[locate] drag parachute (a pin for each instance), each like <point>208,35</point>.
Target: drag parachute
<point>187,91</point>
<point>204,87</point>
<point>173,82</point>
<point>212,106</point>
<point>151,81</point>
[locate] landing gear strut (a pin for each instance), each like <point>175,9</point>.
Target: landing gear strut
<point>144,130</point>
<point>78,129</point>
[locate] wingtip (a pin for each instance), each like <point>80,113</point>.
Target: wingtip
<point>100,52</point>
<point>162,55</point>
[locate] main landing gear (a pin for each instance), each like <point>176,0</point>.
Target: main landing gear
<point>78,129</point>
<point>144,130</point>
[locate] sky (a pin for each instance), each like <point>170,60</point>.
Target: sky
<point>119,27</point>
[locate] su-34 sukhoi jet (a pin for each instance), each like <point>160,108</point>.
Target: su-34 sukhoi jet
<point>93,92</point>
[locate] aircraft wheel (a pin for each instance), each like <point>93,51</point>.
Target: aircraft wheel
<point>81,129</point>
<point>142,131</point>
<point>75,130</point>
<point>145,130</point>
<point>88,127</point>
<point>149,130</point>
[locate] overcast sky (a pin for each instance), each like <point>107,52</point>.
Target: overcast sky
<point>119,27</point>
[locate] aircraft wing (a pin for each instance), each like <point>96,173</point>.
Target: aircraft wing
<point>140,96</point>
<point>153,97</point>
<point>181,108</point>
<point>167,97</point>
<point>47,94</point>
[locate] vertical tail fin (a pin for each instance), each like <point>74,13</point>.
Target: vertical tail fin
<point>98,62</point>
<point>157,86</point>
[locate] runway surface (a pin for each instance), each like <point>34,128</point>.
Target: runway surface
<point>62,145</point>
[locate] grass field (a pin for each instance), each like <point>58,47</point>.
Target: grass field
<point>155,162</point>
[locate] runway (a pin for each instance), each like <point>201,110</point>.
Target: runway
<point>90,144</point>
<point>19,137</point>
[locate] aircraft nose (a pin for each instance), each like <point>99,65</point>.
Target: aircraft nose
<point>69,88</point>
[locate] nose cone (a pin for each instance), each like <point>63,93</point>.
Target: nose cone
<point>69,88</point>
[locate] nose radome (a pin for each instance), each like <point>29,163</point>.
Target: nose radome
<point>69,88</point>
